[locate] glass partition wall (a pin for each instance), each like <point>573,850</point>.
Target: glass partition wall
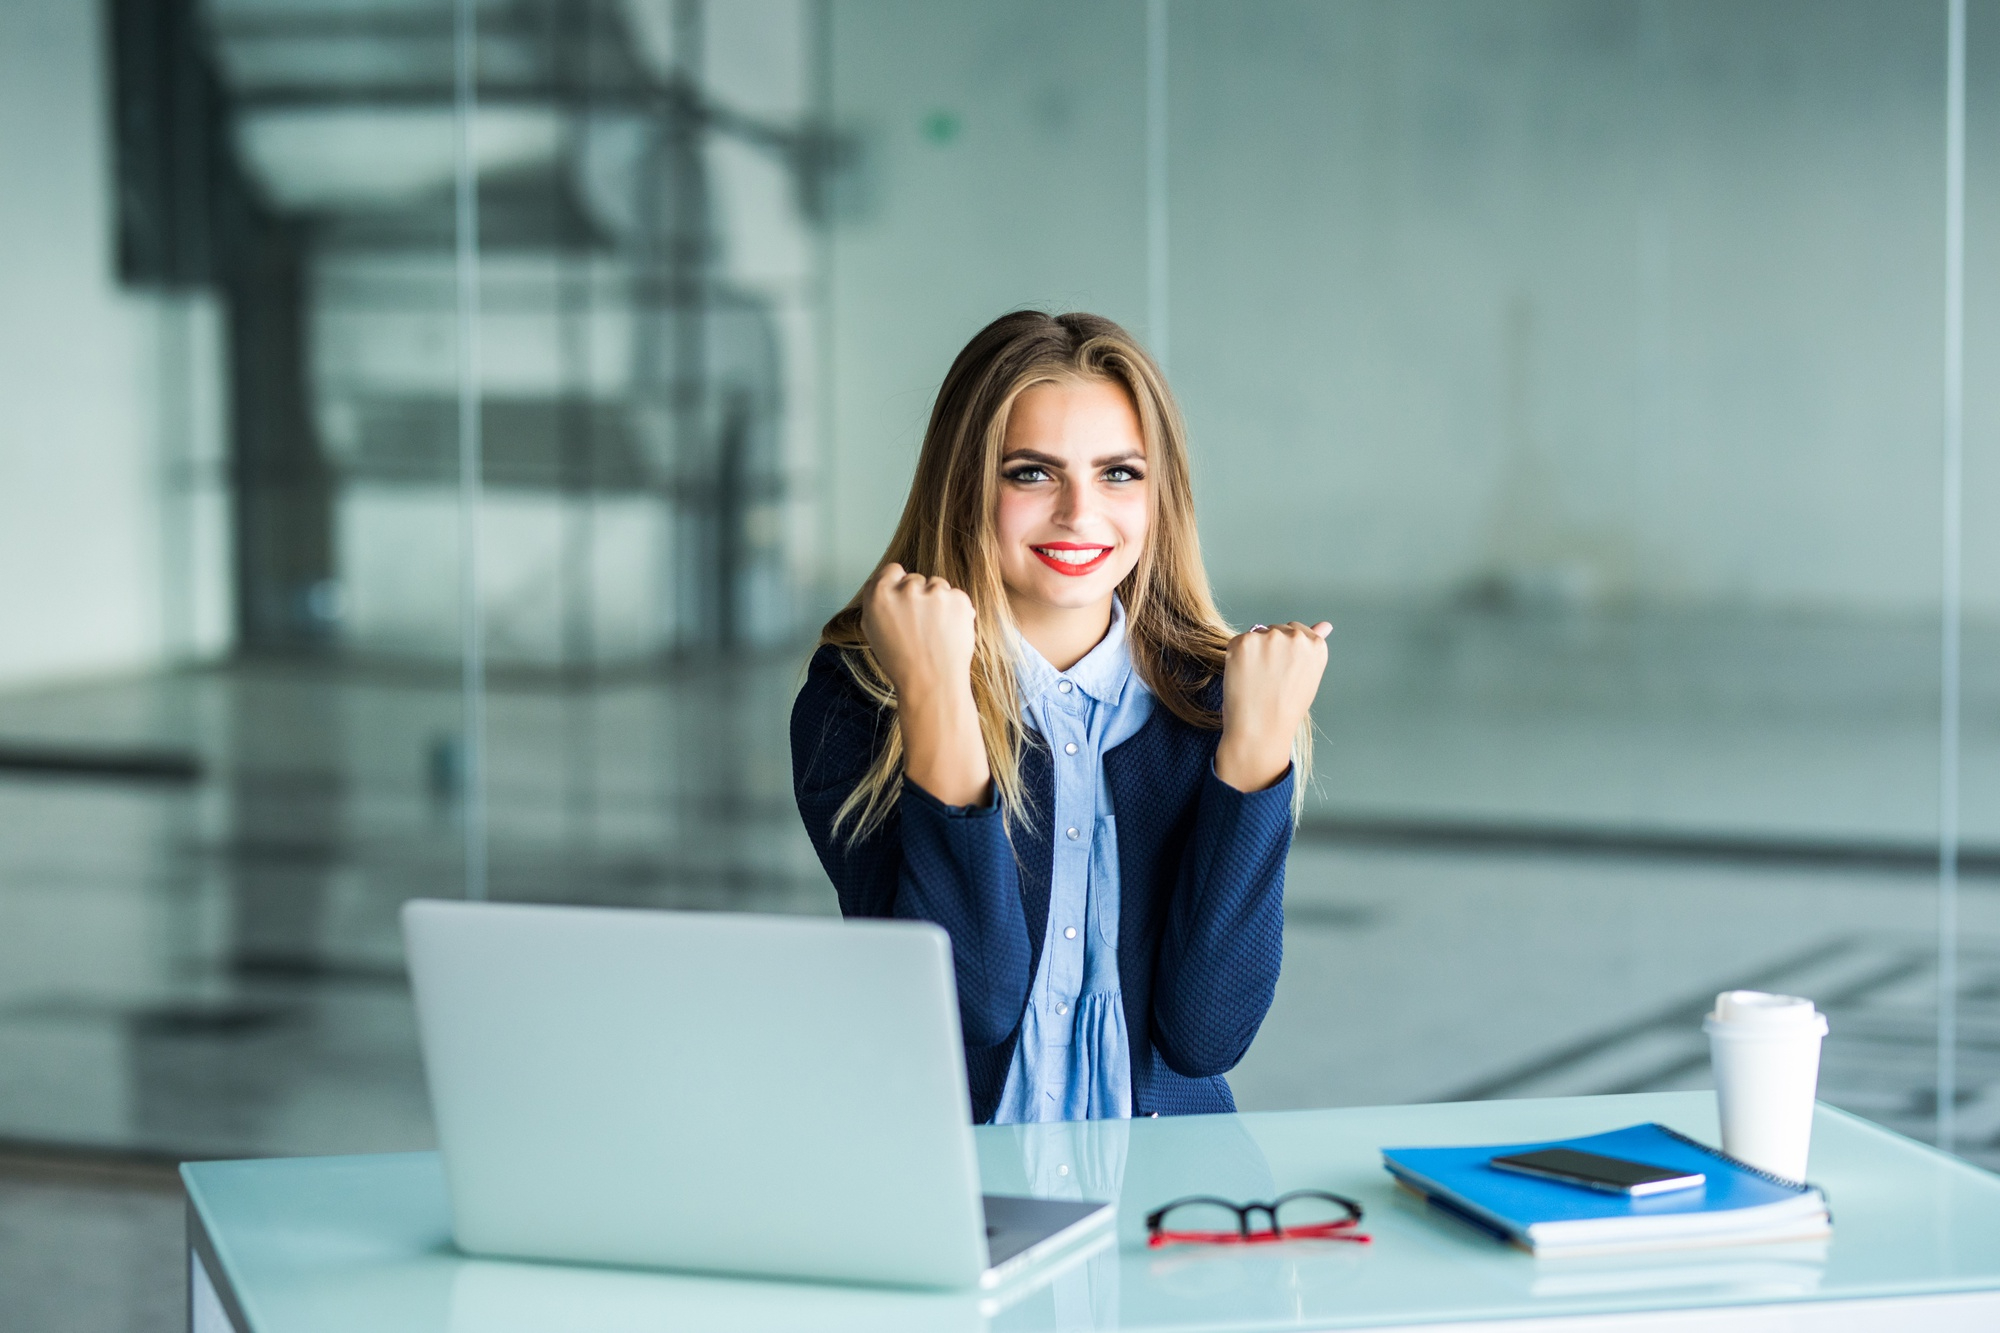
<point>211,806</point>
<point>1584,365</point>
<point>1585,362</point>
<point>513,389</point>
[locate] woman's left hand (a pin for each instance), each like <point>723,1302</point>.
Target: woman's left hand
<point>1269,678</point>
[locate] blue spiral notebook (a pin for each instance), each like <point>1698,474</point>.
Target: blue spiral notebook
<point>1736,1205</point>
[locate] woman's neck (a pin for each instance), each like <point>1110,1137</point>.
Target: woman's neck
<point>1062,635</point>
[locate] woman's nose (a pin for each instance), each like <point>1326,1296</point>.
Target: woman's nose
<point>1072,505</point>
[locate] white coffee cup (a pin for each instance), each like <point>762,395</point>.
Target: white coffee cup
<point>1765,1051</point>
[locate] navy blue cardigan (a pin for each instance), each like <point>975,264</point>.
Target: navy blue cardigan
<point>1201,870</point>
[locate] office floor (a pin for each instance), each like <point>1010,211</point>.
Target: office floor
<point>211,967</point>
<point>90,1251</point>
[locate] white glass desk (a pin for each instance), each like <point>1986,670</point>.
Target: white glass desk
<point>362,1244</point>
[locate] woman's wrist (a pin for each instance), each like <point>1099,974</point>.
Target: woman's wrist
<point>1252,763</point>
<point>943,751</point>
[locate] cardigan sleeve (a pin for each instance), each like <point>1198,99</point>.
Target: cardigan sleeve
<point>951,865</point>
<point>1225,932</point>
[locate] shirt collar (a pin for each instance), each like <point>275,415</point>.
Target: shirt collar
<point>1102,673</point>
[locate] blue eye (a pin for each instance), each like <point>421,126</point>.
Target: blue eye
<point>1121,474</point>
<point>1028,474</point>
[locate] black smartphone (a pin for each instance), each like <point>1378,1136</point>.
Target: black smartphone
<point>1612,1175</point>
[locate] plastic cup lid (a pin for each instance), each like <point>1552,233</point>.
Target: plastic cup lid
<point>1756,1010</point>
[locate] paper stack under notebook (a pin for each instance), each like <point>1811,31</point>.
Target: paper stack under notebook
<point>1735,1204</point>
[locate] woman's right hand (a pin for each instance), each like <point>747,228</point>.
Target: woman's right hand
<point>922,632</point>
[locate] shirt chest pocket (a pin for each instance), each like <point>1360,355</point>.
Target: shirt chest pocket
<point>1104,880</point>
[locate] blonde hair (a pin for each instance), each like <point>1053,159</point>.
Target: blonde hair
<point>1177,638</point>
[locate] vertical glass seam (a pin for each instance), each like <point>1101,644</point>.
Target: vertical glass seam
<point>821,100</point>
<point>1157,330</point>
<point>473,647</point>
<point>1950,626</point>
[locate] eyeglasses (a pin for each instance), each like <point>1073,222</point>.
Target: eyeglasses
<point>1300,1215</point>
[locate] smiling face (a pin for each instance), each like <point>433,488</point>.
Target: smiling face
<point>1075,504</point>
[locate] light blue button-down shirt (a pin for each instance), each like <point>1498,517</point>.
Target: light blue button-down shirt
<point>1074,1061</point>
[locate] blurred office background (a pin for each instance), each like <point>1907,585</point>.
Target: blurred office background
<point>1583,360</point>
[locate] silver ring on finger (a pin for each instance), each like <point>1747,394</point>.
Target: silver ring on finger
<point>1259,629</point>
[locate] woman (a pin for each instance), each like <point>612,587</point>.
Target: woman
<point>1032,727</point>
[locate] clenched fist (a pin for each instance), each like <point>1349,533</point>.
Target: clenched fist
<point>1268,681</point>
<point>922,632</point>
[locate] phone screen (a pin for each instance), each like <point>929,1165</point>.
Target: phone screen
<point>1588,1169</point>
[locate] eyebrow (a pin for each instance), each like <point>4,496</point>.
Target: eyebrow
<point>1047,460</point>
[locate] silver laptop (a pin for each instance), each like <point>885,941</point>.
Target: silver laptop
<point>744,1094</point>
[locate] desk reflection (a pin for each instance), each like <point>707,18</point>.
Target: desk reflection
<point>1093,1160</point>
<point>495,1296</point>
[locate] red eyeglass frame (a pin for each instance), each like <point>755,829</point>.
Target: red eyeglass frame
<point>1157,1236</point>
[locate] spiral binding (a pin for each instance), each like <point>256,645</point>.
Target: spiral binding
<point>1770,1177</point>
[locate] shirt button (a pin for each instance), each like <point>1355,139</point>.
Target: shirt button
<point>1070,834</point>
<point>1062,1009</point>
<point>1064,687</point>
<point>1070,748</point>
<point>1069,932</point>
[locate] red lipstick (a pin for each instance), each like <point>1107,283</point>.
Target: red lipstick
<point>1078,569</point>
